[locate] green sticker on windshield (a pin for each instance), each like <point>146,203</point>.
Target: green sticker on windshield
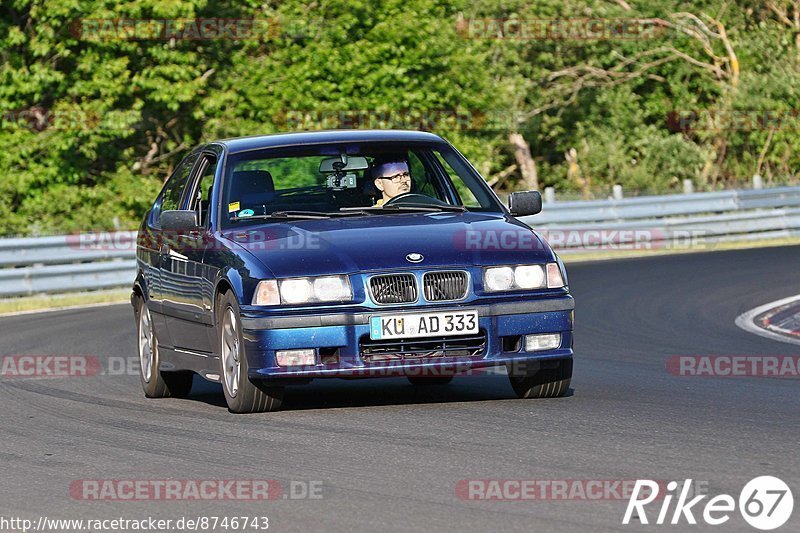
<point>246,213</point>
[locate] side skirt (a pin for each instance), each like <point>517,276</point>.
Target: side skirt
<point>178,359</point>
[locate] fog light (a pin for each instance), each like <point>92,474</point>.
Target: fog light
<point>295,357</point>
<point>546,341</point>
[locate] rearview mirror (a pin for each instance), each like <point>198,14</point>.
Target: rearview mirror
<point>178,220</point>
<point>343,164</point>
<point>525,203</point>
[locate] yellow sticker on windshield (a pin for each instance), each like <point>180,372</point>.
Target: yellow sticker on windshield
<point>233,206</point>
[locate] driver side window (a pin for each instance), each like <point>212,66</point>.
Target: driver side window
<point>200,201</point>
<point>170,198</point>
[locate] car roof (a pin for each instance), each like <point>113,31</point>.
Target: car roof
<point>243,144</point>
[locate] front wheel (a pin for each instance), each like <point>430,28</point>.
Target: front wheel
<point>241,394</point>
<point>545,383</point>
<point>156,384</point>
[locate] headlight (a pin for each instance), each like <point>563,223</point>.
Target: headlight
<point>498,279</point>
<point>303,290</point>
<point>296,291</point>
<point>529,276</point>
<point>331,289</point>
<point>522,277</point>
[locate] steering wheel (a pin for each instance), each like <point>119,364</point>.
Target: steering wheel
<point>411,198</point>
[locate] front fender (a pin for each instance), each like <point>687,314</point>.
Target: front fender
<point>241,275</point>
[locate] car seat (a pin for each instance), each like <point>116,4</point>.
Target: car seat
<point>252,187</point>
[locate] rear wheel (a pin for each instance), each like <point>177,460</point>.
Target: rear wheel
<point>544,383</point>
<point>429,380</point>
<point>156,384</point>
<point>241,394</point>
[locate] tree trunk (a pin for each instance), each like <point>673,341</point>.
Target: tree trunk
<point>526,164</point>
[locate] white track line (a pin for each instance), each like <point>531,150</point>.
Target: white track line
<point>745,321</point>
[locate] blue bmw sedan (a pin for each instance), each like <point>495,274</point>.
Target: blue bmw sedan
<point>274,260</point>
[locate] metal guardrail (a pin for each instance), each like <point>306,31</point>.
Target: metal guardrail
<point>680,221</point>
<point>664,206</point>
<point>67,263</point>
<point>64,278</point>
<point>107,260</point>
<point>67,249</point>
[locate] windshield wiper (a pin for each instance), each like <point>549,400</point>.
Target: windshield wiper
<point>405,208</point>
<point>432,208</point>
<point>351,212</point>
<point>293,215</point>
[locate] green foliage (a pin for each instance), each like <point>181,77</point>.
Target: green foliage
<point>92,122</point>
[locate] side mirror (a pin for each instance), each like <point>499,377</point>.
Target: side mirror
<point>525,203</point>
<point>178,220</point>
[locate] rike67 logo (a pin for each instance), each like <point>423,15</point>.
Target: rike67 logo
<point>765,503</point>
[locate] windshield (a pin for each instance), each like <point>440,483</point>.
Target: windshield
<point>350,180</point>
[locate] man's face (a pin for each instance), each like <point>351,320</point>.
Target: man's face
<point>394,180</point>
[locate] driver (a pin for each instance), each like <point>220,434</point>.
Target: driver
<point>392,178</point>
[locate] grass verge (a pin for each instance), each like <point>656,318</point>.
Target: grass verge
<point>43,302</point>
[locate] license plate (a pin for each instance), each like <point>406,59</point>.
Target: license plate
<point>444,324</point>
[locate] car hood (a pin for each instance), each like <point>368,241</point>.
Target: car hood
<point>383,242</point>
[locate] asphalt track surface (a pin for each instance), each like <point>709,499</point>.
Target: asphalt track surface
<point>390,455</point>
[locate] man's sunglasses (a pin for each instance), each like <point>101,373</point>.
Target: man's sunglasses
<point>397,177</point>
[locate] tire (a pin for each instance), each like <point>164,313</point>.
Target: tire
<point>429,380</point>
<point>156,384</point>
<point>241,394</point>
<point>545,383</point>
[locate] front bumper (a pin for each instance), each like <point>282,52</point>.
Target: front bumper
<point>342,334</point>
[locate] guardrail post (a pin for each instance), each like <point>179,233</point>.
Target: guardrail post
<point>617,192</point>
<point>688,186</point>
<point>757,182</point>
<point>549,195</point>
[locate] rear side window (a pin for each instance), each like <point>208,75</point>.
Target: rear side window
<point>173,191</point>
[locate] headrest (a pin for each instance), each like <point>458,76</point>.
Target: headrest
<point>249,182</point>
